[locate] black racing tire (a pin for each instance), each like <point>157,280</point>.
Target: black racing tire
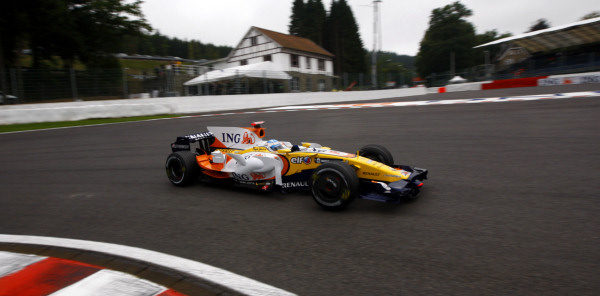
<point>182,168</point>
<point>334,185</point>
<point>377,153</point>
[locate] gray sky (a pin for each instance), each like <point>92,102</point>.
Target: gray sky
<point>403,23</point>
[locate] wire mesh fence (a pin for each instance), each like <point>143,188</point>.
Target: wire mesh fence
<point>28,85</point>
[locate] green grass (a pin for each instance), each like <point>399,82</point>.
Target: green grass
<point>46,125</point>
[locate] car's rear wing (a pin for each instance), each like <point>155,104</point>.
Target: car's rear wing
<point>237,137</point>
<point>222,137</point>
<point>183,143</point>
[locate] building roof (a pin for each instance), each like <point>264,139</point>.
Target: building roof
<point>268,70</point>
<point>577,33</point>
<point>294,42</point>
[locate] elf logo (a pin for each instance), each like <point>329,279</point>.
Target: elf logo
<point>300,160</point>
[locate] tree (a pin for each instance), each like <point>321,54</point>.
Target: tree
<point>540,24</point>
<point>69,29</point>
<point>394,67</point>
<point>591,15</point>
<point>308,20</point>
<point>486,37</point>
<point>298,18</point>
<point>343,39</point>
<point>314,22</point>
<point>448,33</point>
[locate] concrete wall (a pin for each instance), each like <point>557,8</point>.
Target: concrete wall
<point>29,113</point>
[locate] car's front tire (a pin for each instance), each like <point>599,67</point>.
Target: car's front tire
<point>181,168</point>
<point>377,153</point>
<point>334,185</point>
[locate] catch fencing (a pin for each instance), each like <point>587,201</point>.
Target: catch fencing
<point>61,85</point>
<point>534,67</point>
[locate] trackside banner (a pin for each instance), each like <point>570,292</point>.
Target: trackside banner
<point>579,79</point>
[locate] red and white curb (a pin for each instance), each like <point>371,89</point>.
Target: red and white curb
<point>22,274</point>
<point>437,102</point>
<point>572,95</point>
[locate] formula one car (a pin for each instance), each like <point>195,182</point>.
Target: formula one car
<point>335,179</point>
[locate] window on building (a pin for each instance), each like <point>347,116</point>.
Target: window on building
<point>308,62</point>
<point>243,62</point>
<point>267,58</point>
<point>308,84</point>
<point>295,84</point>
<point>321,65</point>
<point>253,40</point>
<point>294,60</point>
<point>321,85</point>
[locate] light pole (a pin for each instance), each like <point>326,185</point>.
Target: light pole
<point>376,42</point>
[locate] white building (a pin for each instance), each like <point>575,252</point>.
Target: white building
<point>268,61</point>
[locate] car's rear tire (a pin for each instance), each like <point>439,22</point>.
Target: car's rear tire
<point>377,153</point>
<point>334,185</point>
<point>182,168</point>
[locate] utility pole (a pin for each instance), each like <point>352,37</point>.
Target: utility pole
<point>452,70</point>
<point>376,41</point>
<point>487,64</point>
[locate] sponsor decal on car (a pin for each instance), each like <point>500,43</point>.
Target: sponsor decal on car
<point>301,160</point>
<point>225,151</point>
<point>325,160</point>
<point>403,174</point>
<point>242,177</point>
<point>337,153</point>
<point>246,138</point>
<point>180,146</point>
<point>199,136</point>
<point>257,176</point>
<point>294,184</point>
<point>370,174</point>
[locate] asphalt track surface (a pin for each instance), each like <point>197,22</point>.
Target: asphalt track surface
<point>511,207</point>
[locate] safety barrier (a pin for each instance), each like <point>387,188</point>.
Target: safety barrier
<point>511,83</point>
<point>48,112</point>
<point>576,78</point>
<point>579,78</point>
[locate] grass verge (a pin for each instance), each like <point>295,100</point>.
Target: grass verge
<point>45,125</point>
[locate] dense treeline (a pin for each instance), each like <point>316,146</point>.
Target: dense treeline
<point>59,33</point>
<point>161,45</point>
<point>336,31</point>
<point>69,30</point>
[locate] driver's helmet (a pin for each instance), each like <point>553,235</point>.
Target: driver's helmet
<point>274,145</point>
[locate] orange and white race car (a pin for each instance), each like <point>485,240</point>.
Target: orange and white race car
<point>335,178</point>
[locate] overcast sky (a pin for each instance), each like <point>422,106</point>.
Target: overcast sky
<point>403,22</point>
